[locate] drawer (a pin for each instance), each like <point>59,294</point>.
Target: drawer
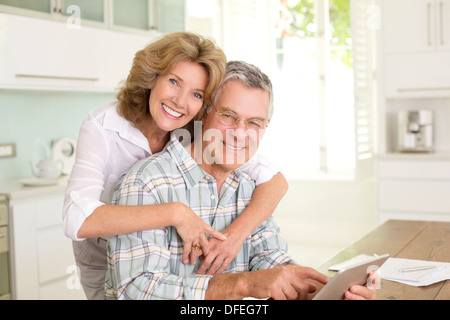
<point>3,214</point>
<point>414,196</point>
<point>55,254</point>
<point>49,211</point>
<point>3,239</point>
<point>403,169</point>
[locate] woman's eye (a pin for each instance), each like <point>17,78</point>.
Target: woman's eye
<point>198,96</point>
<point>173,81</point>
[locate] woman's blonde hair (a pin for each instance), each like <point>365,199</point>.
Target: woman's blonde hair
<point>158,58</point>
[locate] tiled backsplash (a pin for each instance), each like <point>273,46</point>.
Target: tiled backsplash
<point>26,116</point>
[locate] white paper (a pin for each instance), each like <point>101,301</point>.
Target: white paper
<point>414,272</point>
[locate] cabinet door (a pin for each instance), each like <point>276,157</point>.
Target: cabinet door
<point>92,10</point>
<point>163,16</point>
<point>40,6</point>
<point>171,16</point>
<point>443,7</point>
<point>417,75</point>
<point>409,25</point>
<point>42,255</point>
<point>51,56</point>
<point>132,15</point>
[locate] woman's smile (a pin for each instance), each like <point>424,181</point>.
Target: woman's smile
<point>171,113</point>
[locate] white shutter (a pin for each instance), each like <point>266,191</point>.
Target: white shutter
<point>246,30</point>
<point>365,23</point>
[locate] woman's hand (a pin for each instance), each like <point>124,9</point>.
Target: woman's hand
<point>221,254</point>
<point>357,292</point>
<point>192,230</point>
<point>367,292</point>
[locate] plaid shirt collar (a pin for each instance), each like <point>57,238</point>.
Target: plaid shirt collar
<point>190,170</point>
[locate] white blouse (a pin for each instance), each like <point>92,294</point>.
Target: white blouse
<point>108,146</point>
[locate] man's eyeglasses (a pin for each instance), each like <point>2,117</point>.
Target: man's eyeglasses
<point>229,118</point>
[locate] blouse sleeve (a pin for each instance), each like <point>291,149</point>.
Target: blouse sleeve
<point>260,169</point>
<point>86,182</point>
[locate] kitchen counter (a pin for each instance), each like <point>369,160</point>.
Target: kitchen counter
<point>15,189</point>
<point>36,238</point>
<point>433,156</point>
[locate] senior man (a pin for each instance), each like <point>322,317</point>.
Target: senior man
<point>205,175</point>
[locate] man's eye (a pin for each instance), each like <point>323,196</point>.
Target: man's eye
<point>228,116</point>
<point>256,123</point>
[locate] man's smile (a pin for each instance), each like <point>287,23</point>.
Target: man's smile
<point>234,148</point>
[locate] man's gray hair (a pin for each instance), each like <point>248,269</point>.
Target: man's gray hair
<point>251,76</point>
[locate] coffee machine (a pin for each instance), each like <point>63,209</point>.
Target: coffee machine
<point>415,131</point>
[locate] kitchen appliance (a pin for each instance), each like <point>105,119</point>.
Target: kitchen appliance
<point>42,164</point>
<point>64,150</point>
<point>415,131</point>
<point>4,251</point>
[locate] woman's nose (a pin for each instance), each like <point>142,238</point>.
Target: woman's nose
<point>181,98</point>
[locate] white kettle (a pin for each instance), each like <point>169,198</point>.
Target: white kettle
<point>46,168</point>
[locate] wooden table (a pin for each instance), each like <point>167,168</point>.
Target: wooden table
<point>423,240</point>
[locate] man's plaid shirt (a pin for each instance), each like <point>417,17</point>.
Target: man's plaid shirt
<point>148,264</point>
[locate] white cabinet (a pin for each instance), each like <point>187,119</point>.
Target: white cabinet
<point>50,56</point>
<point>43,265</point>
<point>416,41</point>
<point>416,25</point>
<point>413,189</point>
<point>43,6</point>
<point>130,16</point>
<point>78,45</point>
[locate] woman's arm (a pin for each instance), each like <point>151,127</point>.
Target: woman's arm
<point>264,202</point>
<point>111,220</point>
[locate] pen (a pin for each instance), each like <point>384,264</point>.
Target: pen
<point>411,269</point>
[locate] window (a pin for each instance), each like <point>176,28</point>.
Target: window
<point>323,124</point>
<point>314,87</point>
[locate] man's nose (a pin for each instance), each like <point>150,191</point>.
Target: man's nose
<point>240,132</point>
<point>241,124</point>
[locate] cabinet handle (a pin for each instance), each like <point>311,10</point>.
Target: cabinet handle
<point>429,23</point>
<point>423,89</point>
<point>441,13</point>
<point>61,6</point>
<point>56,77</point>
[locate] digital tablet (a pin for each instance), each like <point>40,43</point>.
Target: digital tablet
<point>349,276</point>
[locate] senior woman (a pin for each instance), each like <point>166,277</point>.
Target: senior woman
<point>170,82</point>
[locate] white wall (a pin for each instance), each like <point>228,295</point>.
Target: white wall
<point>346,201</point>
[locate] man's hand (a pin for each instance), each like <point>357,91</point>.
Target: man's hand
<point>285,282</point>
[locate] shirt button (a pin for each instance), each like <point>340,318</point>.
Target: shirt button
<point>213,197</point>
<point>75,195</point>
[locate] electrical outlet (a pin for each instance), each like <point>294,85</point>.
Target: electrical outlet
<point>7,150</point>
